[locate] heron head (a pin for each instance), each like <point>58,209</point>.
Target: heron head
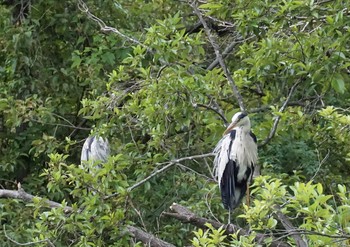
<point>238,120</point>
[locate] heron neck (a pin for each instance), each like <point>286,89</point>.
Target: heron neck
<point>243,129</point>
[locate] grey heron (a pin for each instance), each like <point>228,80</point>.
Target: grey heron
<point>95,151</point>
<point>236,155</point>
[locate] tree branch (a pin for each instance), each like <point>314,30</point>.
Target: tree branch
<point>289,227</point>
<point>278,118</point>
<point>84,8</point>
<point>214,109</point>
<point>228,50</point>
<point>22,195</point>
<point>185,215</point>
<point>164,168</point>
<point>140,235</point>
<point>147,238</point>
<point>235,90</point>
<point>27,243</point>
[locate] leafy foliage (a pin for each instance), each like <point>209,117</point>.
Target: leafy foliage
<point>158,100</point>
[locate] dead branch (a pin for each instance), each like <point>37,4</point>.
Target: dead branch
<point>185,215</point>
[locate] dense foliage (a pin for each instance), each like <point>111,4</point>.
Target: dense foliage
<point>150,87</point>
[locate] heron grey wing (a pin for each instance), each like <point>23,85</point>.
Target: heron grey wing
<point>86,150</point>
<point>103,149</point>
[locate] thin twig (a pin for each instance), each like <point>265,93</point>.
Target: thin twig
<point>164,168</point>
<point>169,164</point>
<point>218,112</point>
<point>27,243</point>
<point>278,118</point>
<point>228,50</point>
<point>60,125</point>
<point>321,163</point>
<point>84,8</point>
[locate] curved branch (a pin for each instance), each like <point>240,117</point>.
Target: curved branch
<point>164,168</point>
<point>218,112</point>
<point>278,118</point>
<point>85,9</point>
<point>49,243</point>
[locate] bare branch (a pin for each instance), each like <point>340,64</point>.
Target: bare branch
<point>85,9</point>
<point>278,118</point>
<point>320,163</point>
<point>22,195</point>
<point>147,238</point>
<point>164,168</point>
<point>235,90</point>
<point>169,164</point>
<point>214,109</point>
<point>60,125</point>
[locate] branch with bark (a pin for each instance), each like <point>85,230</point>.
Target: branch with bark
<point>138,234</point>
<point>185,215</point>
<point>289,227</point>
<point>147,238</point>
<point>24,196</point>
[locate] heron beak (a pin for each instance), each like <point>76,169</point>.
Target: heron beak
<point>229,128</point>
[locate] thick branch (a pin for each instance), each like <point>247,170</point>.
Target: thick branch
<point>22,195</point>
<point>235,90</point>
<point>147,238</point>
<point>186,216</point>
<point>289,227</point>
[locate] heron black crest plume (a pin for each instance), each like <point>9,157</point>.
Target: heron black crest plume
<point>235,158</point>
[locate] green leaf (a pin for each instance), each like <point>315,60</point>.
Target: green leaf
<point>338,83</point>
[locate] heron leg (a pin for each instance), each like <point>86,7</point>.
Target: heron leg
<point>248,195</point>
<point>229,216</point>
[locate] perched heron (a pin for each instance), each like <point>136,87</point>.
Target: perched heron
<point>236,155</point>
<point>95,150</point>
